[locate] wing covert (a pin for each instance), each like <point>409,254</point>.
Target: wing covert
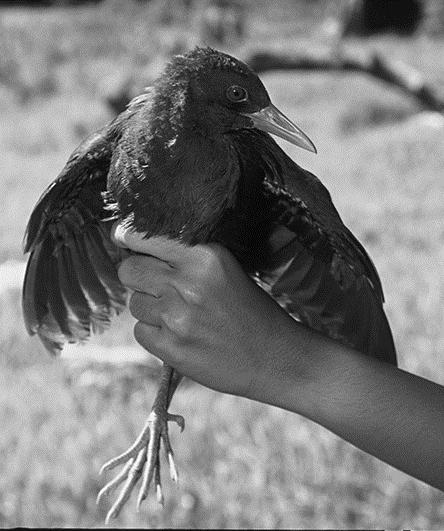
<point>316,268</point>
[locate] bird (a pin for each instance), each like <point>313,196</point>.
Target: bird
<point>193,159</point>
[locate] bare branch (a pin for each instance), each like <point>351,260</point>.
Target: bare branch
<point>394,73</point>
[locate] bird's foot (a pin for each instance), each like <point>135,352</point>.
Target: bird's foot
<point>143,458</point>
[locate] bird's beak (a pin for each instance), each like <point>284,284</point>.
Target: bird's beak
<point>272,120</point>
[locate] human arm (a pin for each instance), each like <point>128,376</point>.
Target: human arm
<point>200,313</point>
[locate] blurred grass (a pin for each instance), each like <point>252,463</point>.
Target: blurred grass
<point>242,464</point>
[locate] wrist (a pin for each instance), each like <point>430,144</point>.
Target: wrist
<point>300,370</point>
<point>283,370</point>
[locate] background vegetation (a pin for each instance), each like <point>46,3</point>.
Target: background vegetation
<point>241,463</point>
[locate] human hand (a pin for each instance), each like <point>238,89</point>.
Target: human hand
<point>200,313</point>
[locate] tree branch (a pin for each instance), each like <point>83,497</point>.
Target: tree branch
<point>397,74</point>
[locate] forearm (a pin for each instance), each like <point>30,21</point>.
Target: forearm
<point>389,413</point>
<point>199,313</point>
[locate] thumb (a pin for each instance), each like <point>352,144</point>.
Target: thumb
<point>161,247</point>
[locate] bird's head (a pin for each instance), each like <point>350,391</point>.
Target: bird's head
<point>219,93</point>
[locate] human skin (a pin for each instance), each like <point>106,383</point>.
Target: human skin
<point>200,313</point>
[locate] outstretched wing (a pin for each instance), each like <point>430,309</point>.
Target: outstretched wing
<point>71,286</point>
<point>316,268</point>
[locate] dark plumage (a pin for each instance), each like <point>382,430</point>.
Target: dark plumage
<point>192,159</point>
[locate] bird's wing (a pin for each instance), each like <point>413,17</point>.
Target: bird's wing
<point>71,287</point>
<point>317,269</point>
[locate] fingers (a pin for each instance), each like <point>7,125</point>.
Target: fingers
<point>145,273</point>
<point>168,312</point>
<point>150,338</point>
<point>174,252</point>
<point>149,331</point>
<point>157,341</point>
<point>146,308</point>
<point>159,246</point>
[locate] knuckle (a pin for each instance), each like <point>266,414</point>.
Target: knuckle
<point>193,294</point>
<point>135,304</point>
<point>179,323</point>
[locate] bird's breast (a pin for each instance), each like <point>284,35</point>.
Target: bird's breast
<point>181,189</point>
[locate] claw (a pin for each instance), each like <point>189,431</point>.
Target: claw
<point>173,470</point>
<point>178,419</point>
<point>147,448</point>
<point>159,495</point>
<point>142,458</point>
<point>170,456</point>
<point>151,461</point>
<point>158,484</point>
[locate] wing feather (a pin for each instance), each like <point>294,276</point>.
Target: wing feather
<point>316,268</point>
<point>71,286</point>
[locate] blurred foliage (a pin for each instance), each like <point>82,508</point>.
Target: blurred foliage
<point>98,49</point>
<point>242,464</point>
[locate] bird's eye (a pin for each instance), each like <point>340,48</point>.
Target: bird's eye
<point>237,94</point>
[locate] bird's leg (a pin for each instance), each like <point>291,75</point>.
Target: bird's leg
<point>143,455</point>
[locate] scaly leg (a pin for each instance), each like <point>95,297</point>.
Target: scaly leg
<point>143,455</point>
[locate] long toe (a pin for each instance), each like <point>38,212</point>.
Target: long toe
<point>142,459</point>
<point>158,422</point>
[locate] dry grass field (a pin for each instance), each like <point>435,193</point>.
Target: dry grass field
<point>242,464</point>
